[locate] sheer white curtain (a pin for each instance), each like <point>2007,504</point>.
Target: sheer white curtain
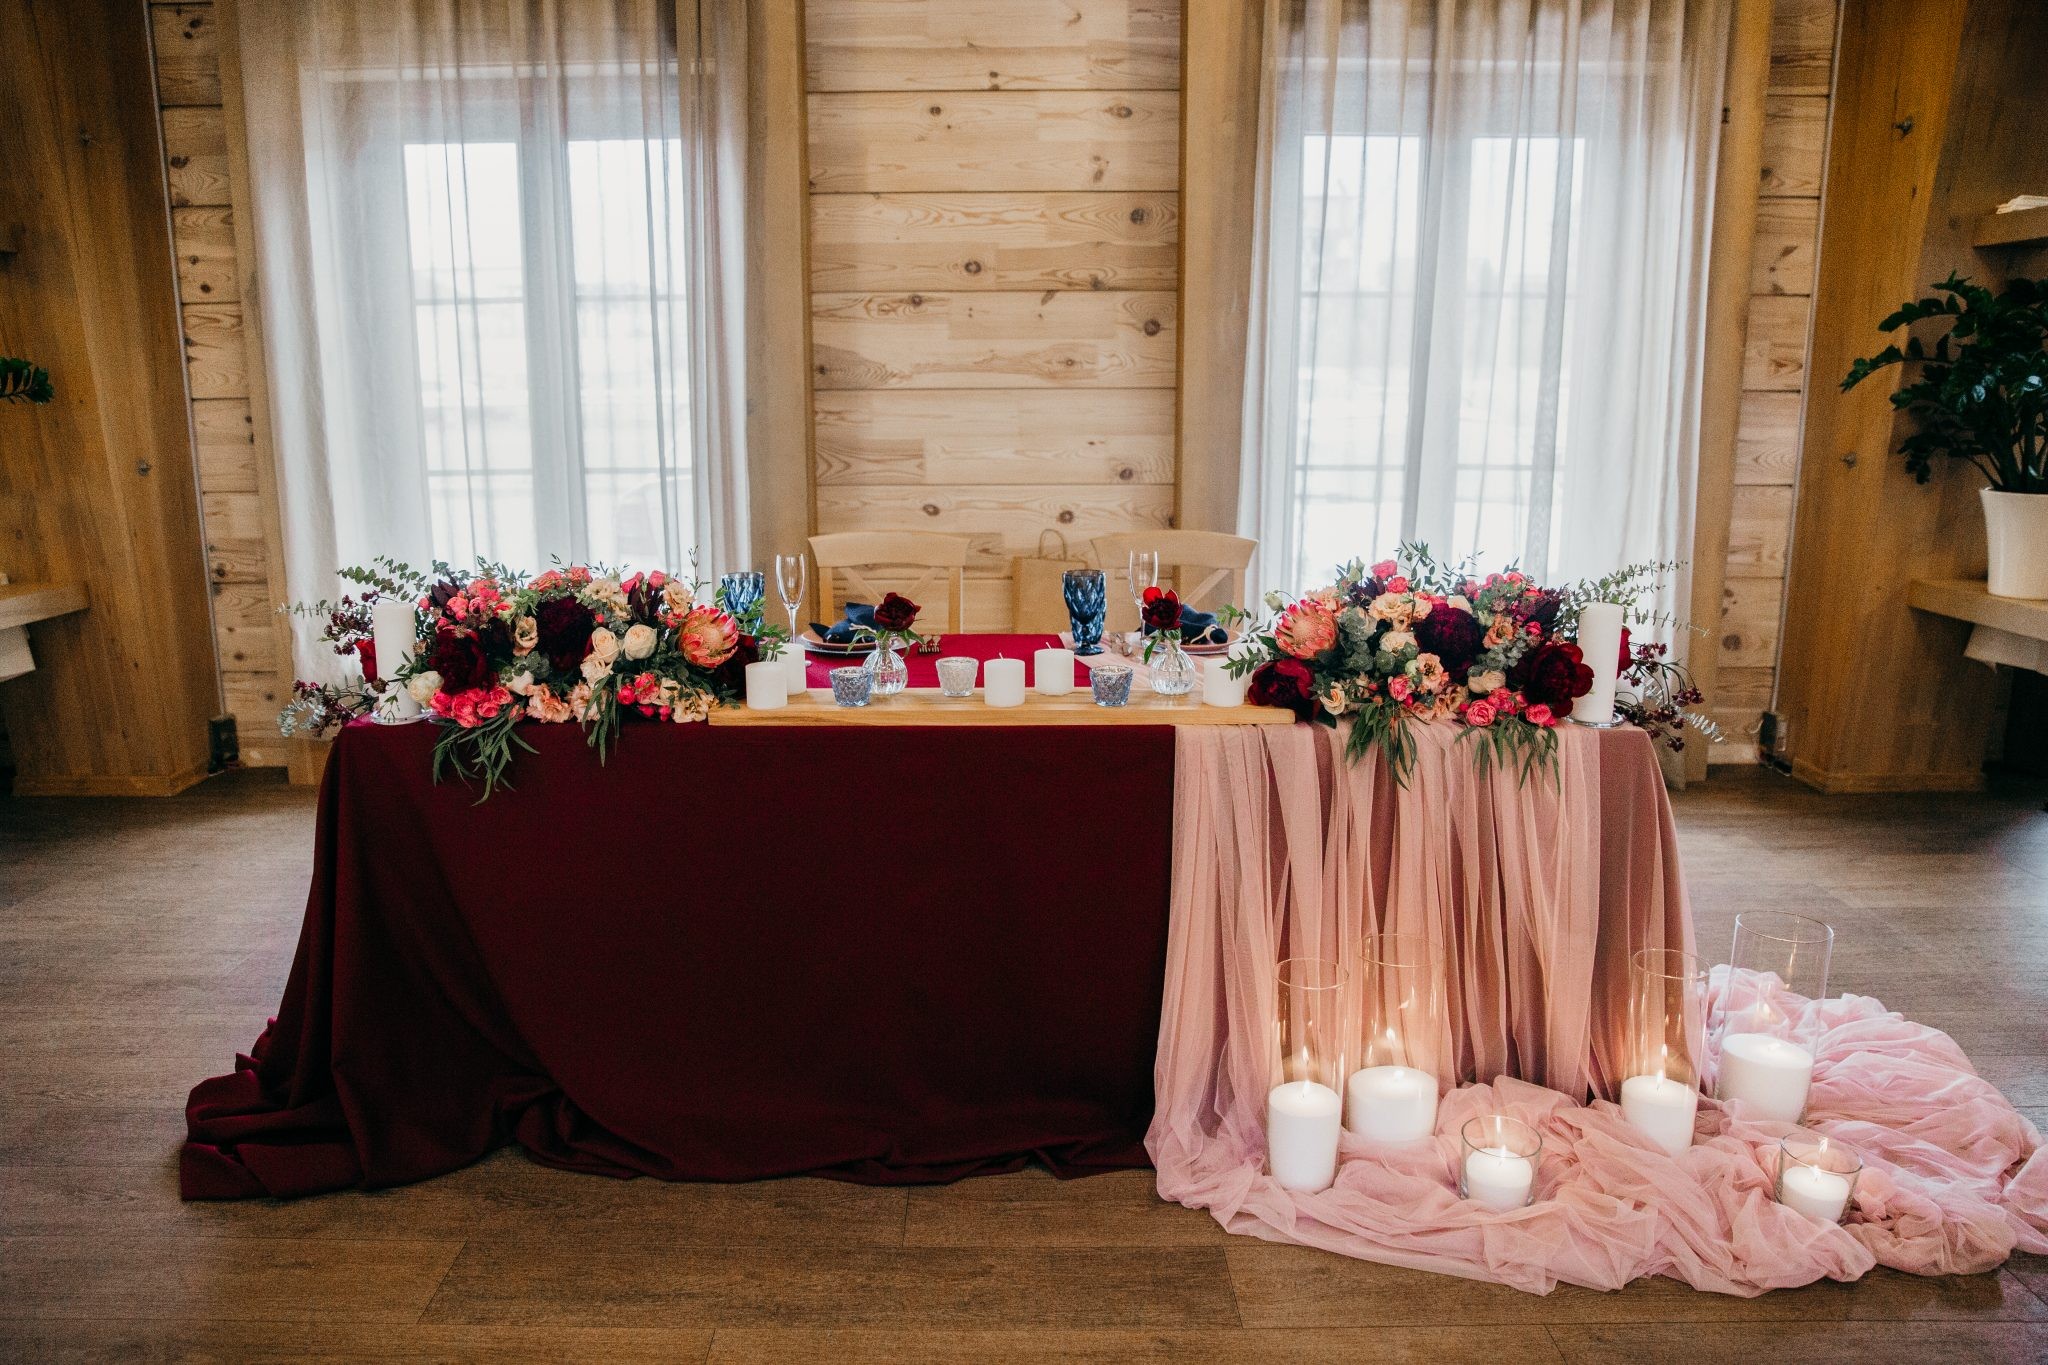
<point>1479,280</point>
<point>500,246</point>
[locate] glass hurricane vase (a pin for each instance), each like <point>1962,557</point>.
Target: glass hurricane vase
<point>1173,672</point>
<point>885,665</point>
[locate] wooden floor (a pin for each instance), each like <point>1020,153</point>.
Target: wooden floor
<point>142,943</point>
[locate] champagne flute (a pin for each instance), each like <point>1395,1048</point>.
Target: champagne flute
<point>792,579</point>
<point>1143,573</point>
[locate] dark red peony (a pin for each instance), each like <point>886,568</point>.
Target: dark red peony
<point>1286,683</point>
<point>732,674</point>
<point>1454,636</point>
<point>1162,609</point>
<point>896,612</point>
<point>1552,674</point>
<point>565,626</point>
<point>366,654</point>
<point>461,660</point>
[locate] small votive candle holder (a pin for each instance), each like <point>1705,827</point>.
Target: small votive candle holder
<point>1498,1167</point>
<point>956,675</point>
<point>1111,684</point>
<point>1817,1175</point>
<point>852,685</point>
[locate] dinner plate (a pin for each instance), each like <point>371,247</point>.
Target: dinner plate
<point>1215,649</point>
<point>851,650</point>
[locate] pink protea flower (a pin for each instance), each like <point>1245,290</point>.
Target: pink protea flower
<point>708,636</point>
<point>1306,629</point>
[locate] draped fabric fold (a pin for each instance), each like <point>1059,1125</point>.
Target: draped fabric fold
<point>1539,891</point>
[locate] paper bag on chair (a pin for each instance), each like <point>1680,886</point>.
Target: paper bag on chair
<point>1037,600</point>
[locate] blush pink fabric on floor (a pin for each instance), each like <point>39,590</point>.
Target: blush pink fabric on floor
<point>1542,889</point>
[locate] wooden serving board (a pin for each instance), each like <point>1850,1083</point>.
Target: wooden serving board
<point>929,706</point>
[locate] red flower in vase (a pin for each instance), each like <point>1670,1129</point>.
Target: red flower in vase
<point>896,612</point>
<point>1162,609</point>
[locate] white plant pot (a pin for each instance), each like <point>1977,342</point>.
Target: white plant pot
<point>2016,528</point>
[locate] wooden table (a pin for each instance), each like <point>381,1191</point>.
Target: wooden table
<point>929,706</point>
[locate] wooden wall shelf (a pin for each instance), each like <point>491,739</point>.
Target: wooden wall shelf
<point>1967,599</point>
<point>2022,228</point>
<point>23,603</point>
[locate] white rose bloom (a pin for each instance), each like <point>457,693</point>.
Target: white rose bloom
<point>423,686</point>
<point>594,668</point>
<point>520,683</point>
<point>1394,641</point>
<point>677,596</point>
<point>606,592</point>
<point>1489,681</point>
<point>640,642</point>
<point>604,647</point>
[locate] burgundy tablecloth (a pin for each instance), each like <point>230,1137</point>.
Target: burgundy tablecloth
<point>924,668</point>
<point>885,955</point>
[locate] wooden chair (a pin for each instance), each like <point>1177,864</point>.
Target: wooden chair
<point>931,553</point>
<point>1183,557</point>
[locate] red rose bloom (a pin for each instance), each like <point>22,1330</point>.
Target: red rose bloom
<point>366,653</point>
<point>564,626</point>
<point>460,659</point>
<point>896,612</point>
<point>1287,683</point>
<point>1622,665</point>
<point>1552,674</point>
<point>1454,636</point>
<point>1162,610</point>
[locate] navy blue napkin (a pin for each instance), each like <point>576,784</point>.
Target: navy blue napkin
<point>1199,627</point>
<point>859,616</point>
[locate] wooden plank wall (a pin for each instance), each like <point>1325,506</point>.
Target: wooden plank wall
<point>1774,376</point>
<point>238,505</point>
<point>994,228</point>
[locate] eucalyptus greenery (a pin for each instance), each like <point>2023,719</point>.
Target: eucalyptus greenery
<point>1981,388</point>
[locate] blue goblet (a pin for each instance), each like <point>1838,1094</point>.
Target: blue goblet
<point>1086,591</point>
<point>741,594</point>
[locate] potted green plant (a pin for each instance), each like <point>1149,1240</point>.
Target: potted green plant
<point>1980,392</point>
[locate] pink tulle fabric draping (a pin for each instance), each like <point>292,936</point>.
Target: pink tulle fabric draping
<point>1541,890</point>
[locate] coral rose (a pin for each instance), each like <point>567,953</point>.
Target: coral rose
<point>525,635</point>
<point>1306,629</point>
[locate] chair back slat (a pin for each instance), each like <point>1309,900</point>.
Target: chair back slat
<point>939,557</point>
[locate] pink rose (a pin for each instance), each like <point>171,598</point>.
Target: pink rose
<point>1306,629</point>
<point>708,636</point>
<point>1398,583</point>
<point>1399,689</point>
<point>1385,569</point>
<point>1479,714</point>
<point>1539,714</point>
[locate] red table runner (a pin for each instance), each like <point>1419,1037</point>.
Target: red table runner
<point>665,966</point>
<point>924,668</point>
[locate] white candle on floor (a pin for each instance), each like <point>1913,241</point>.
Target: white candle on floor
<point>795,667</point>
<point>1218,687</point>
<point>1768,1074</point>
<point>1661,1109</point>
<point>1002,682</point>
<point>394,630</point>
<point>1600,643</point>
<point>1053,671</point>
<point>767,686</point>
<point>1498,1179</point>
<point>1390,1104</point>
<point>1302,1122</point>
<point>1814,1192</point>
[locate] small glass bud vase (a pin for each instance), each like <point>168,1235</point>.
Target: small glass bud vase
<point>1660,1090</point>
<point>885,665</point>
<point>1392,1096</point>
<point>1305,1110</point>
<point>1173,672</point>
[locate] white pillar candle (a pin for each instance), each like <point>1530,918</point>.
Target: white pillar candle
<point>1768,1074</point>
<point>1302,1123</point>
<point>1218,687</point>
<point>1053,671</point>
<point>1390,1104</point>
<point>1600,643</point>
<point>767,686</point>
<point>1661,1109</point>
<point>1002,682</point>
<point>1496,1178</point>
<point>394,630</point>
<point>795,667</point>
<point>1814,1192</point>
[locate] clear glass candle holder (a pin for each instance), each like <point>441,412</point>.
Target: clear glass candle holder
<point>1778,958</point>
<point>956,675</point>
<point>1305,1109</point>
<point>1111,684</point>
<point>1402,1044</point>
<point>1497,1164</point>
<point>1664,1046</point>
<point>852,684</point>
<point>1817,1175</point>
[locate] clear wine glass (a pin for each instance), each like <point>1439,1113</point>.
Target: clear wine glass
<point>1144,573</point>
<point>792,580</point>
